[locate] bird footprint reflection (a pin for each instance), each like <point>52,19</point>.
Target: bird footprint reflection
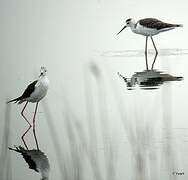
<point>36,159</point>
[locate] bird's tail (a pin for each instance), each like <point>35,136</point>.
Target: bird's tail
<point>178,25</point>
<point>14,100</point>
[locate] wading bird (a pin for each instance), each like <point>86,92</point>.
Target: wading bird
<point>149,27</point>
<point>33,93</point>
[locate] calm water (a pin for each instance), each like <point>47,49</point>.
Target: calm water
<point>90,125</point>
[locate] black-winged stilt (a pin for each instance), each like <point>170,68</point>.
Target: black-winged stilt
<point>149,27</point>
<point>33,93</point>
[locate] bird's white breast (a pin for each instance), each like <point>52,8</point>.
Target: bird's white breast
<point>145,31</point>
<point>40,91</point>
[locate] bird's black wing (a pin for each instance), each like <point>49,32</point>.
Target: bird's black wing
<point>30,88</point>
<point>155,23</point>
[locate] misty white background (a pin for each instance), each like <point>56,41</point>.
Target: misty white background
<point>68,37</point>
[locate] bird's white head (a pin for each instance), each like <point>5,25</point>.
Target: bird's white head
<point>43,71</point>
<point>129,23</point>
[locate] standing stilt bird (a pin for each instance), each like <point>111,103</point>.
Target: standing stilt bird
<point>33,93</point>
<point>149,27</point>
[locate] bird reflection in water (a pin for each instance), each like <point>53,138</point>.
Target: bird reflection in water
<point>148,79</point>
<point>36,159</point>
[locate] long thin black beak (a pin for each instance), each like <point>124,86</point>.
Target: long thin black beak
<point>122,29</point>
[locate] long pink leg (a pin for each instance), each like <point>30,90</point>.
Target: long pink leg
<point>22,113</point>
<point>146,55</point>
<point>34,126</point>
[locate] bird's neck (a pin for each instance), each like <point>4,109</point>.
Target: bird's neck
<point>133,26</point>
<point>42,76</point>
